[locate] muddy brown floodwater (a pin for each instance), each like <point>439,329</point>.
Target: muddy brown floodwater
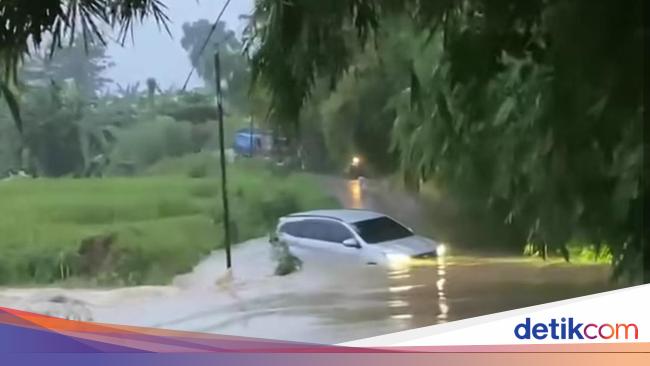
<point>326,302</point>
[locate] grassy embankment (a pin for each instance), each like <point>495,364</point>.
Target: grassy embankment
<point>162,222</point>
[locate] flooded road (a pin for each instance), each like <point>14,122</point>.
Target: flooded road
<point>325,302</point>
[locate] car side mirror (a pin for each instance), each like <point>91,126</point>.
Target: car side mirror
<point>351,243</point>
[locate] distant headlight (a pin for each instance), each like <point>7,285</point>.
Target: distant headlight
<point>397,258</point>
<point>441,249</point>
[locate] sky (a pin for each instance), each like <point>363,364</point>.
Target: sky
<point>153,53</point>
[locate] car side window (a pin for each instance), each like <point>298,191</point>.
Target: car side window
<point>324,230</point>
<point>339,233</point>
<point>309,229</point>
<point>312,229</point>
<point>331,231</point>
<point>293,228</point>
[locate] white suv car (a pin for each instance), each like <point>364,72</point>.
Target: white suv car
<point>362,236</point>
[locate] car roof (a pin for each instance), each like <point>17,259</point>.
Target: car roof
<point>345,215</point>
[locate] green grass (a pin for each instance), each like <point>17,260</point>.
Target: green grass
<point>164,223</point>
<point>579,253</point>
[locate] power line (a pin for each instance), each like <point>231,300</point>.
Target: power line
<point>205,43</point>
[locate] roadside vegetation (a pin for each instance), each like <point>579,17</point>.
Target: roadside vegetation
<point>127,188</point>
<point>527,119</point>
<point>144,230</point>
<point>521,126</point>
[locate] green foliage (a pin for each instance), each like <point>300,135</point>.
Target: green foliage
<point>147,142</point>
<point>505,145</point>
<point>184,165</point>
<point>152,88</point>
<point>578,252</point>
<point>10,142</point>
<point>85,64</point>
<point>295,43</point>
<point>59,20</point>
<point>12,103</point>
<point>163,225</point>
<point>64,132</point>
<point>192,107</point>
<point>234,66</point>
<point>195,113</point>
<point>355,118</point>
<point>316,155</point>
<point>51,132</point>
<point>501,107</point>
<point>198,171</point>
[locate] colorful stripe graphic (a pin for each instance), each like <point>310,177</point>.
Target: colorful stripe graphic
<point>33,339</point>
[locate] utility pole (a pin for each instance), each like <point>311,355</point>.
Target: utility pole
<point>224,185</point>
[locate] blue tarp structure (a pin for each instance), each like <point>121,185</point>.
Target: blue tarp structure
<point>245,144</point>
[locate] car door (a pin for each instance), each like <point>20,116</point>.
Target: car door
<point>326,238</point>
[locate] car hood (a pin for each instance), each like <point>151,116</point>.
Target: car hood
<point>412,245</point>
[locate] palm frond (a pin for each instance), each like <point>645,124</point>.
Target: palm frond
<point>28,23</point>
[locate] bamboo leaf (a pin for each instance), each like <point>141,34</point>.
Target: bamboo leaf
<point>415,89</point>
<point>504,112</point>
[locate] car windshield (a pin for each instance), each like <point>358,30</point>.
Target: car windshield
<point>380,229</point>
